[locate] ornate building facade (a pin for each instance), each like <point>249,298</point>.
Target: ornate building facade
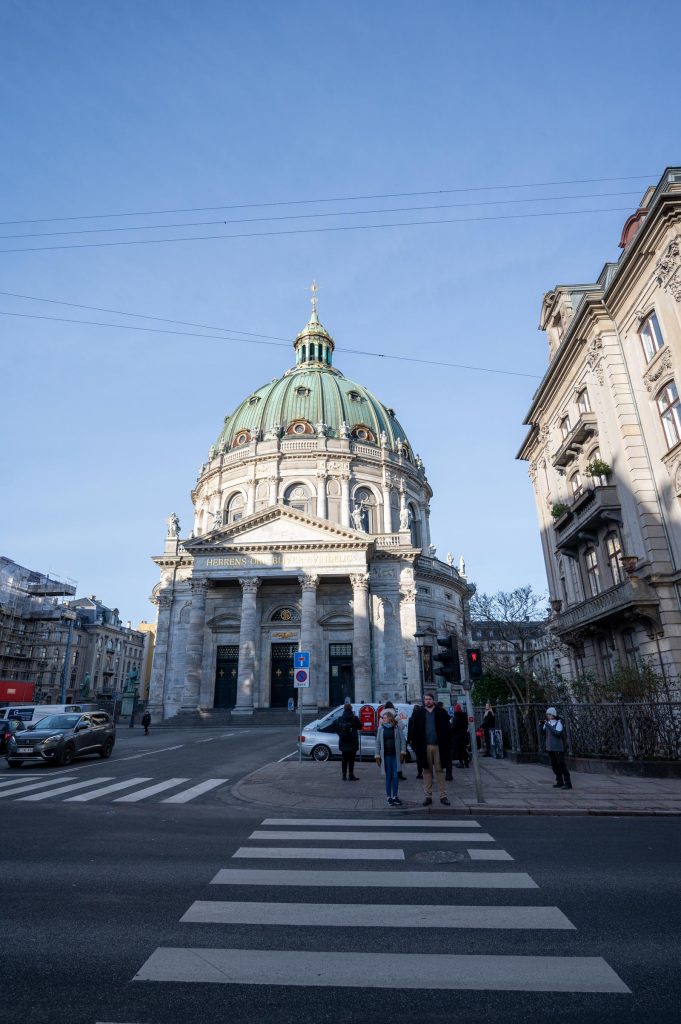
<point>604,450</point>
<point>311,532</point>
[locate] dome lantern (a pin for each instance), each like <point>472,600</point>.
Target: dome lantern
<point>314,345</point>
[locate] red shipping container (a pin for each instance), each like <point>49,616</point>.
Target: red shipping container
<point>15,692</point>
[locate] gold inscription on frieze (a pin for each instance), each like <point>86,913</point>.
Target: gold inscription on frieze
<point>286,560</point>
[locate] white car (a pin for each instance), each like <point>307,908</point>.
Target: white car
<point>319,739</point>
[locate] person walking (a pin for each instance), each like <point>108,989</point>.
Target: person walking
<point>554,733</point>
<point>389,704</point>
<point>431,740</point>
<point>146,722</point>
<point>390,752</point>
<point>460,736</point>
<point>488,723</point>
<point>410,739</point>
<point>347,727</point>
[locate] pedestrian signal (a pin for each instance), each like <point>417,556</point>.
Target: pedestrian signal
<point>474,659</point>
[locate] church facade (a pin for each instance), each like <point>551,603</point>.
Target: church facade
<point>311,532</point>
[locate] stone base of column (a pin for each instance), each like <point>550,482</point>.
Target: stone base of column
<point>241,712</point>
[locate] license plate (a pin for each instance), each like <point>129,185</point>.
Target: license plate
<point>24,750</point>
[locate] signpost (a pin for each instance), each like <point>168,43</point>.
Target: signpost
<point>301,681</point>
<point>471,675</point>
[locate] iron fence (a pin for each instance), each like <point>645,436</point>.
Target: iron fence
<point>645,730</point>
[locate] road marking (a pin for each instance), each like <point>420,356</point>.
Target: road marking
<point>349,837</point>
<point>66,789</point>
<point>292,754</point>
<point>190,794</point>
<point>94,793</point>
<point>22,780</point>
<point>142,794</point>
<point>208,740</point>
<point>382,970</point>
<point>33,785</point>
<point>148,753</point>
<point>363,915</point>
<point>489,855</point>
<point>373,822</point>
<point>315,853</point>
<point>400,880</point>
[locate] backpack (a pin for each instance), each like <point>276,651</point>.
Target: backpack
<point>346,728</point>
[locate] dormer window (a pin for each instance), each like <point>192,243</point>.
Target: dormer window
<point>242,438</point>
<point>253,400</point>
<point>651,336</point>
<point>363,433</point>
<point>300,427</point>
<point>354,396</point>
<point>303,392</point>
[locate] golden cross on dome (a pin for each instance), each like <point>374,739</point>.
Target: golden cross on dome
<point>314,288</point>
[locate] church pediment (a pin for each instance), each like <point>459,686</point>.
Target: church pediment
<point>278,527</point>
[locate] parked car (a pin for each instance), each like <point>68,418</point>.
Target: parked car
<point>319,739</point>
<point>58,739</point>
<point>8,726</point>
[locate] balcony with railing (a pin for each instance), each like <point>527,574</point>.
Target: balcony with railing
<point>591,510</point>
<point>585,427</point>
<point>633,599</point>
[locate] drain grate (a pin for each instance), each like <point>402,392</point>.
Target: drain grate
<point>438,857</point>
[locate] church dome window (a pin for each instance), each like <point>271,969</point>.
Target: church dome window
<point>299,427</point>
<point>286,615</point>
<point>303,392</point>
<point>354,396</point>
<point>242,438</point>
<point>253,400</point>
<point>363,433</point>
<point>234,510</point>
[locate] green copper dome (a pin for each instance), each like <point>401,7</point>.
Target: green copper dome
<point>313,398</point>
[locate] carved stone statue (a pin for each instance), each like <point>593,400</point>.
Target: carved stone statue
<point>320,428</point>
<point>432,550</point>
<point>344,429</point>
<point>357,515</point>
<point>384,439</point>
<point>405,518</point>
<point>450,558</point>
<point>173,525</point>
<point>462,567</point>
<point>217,518</point>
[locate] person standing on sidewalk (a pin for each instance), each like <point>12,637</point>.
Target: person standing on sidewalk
<point>488,723</point>
<point>431,739</point>
<point>347,727</point>
<point>390,752</point>
<point>460,736</point>
<point>554,733</point>
<point>146,722</point>
<point>389,704</point>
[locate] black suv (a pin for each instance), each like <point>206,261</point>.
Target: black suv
<point>8,726</point>
<point>57,739</point>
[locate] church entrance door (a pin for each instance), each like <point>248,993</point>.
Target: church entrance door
<point>226,671</point>
<point>281,675</point>
<point>341,676</point>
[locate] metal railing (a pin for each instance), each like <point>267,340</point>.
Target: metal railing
<point>641,731</point>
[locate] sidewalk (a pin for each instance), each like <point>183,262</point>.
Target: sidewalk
<point>507,789</point>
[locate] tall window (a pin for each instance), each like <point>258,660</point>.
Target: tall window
<point>606,656</point>
<point>366,503</point>
<point>414,527</point>
<point>592,571</point>
<point>630,646</point>
<point>583,403</point>
<point>613,546</point>
<point>298,496</point>
<point>595,456</point>
<point>565,426</point>
<point>670,413</point>
<point>235,509</point>
<point>576,486</point>
<point>651,336</point>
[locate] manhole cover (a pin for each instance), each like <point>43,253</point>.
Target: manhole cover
<point>438,857</point>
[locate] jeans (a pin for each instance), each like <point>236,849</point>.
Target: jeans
<point>391,780</point>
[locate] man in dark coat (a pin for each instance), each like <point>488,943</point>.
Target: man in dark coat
<point>347,727</point>
<point>146,722</point>
<point>431,739</point>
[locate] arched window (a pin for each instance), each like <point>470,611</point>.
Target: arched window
<point>362,433</point>
<point>242,438</point>
<point>576,486</point>
<point>613,547</point>
<point>299,427</point>
<point>286,615</point>
<point>235,508</point>
<point>415,527</point>
<point>583,403</point>
<point>593,574</point>
<point>364,499</point>
<point>298,496</point>
<point>670,413</point>
<point>651,336</point>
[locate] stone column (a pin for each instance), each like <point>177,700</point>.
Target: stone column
<point>409,648</point>
<point>345,500</point>
<point>426,527</point>
<point>197,623</point>
<point>272,484</point>
<point>391,641</point>
<point>321,494</point>
<point>308,636</point>
<point>245,684</point>
<point>250,498</point>
<point>157,682</point>
<point>387,511</point>
<point>361,646</point>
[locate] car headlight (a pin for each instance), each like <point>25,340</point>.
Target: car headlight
<point>52,741</point>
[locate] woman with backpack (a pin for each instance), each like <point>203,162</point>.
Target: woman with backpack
<point>347,727</point>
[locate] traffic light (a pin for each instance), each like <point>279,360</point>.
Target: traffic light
<point>448,659</point>
<point>474,658</point>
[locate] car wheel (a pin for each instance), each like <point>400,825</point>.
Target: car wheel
<point>67,755</point>
<point>15,764</point>
<point>321,752</point>
<point>107,748</point>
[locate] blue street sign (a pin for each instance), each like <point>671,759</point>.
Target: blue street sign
<point>291,704</point>
<point>301,659</point>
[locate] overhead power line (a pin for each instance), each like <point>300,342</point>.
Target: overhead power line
<point>312,216</point>
<point>314,231</point>
<point>254,341</point>
<point>329,199</point>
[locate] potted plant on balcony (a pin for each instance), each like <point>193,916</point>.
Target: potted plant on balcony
<point>559,509</point>
<point>598,468</point>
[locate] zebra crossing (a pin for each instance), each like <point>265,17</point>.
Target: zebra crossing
<point>66,787</point>
<point>385,872</point>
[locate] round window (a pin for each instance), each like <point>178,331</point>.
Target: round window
<point>242,439</point>
<point>299,429</point>
<point>362,435</point>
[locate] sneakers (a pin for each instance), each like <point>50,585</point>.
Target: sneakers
<point>558,785</point>
<point>390,802</point>
<point>353,778</point>
<point>428,801</point>
<point>444,800</point>
<point>396,802</point>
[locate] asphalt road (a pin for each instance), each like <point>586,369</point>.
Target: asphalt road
<point>96,888</point>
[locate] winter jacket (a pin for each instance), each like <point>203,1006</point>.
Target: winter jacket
<point>554,734</point>
<point>348,740</point>
<point>418,732</point>
<point>400,747</point>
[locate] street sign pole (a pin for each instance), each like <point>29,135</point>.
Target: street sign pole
<point>301,680</point>
<point>473,738</point>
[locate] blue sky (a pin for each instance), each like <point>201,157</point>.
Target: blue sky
<point>148,106</point>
